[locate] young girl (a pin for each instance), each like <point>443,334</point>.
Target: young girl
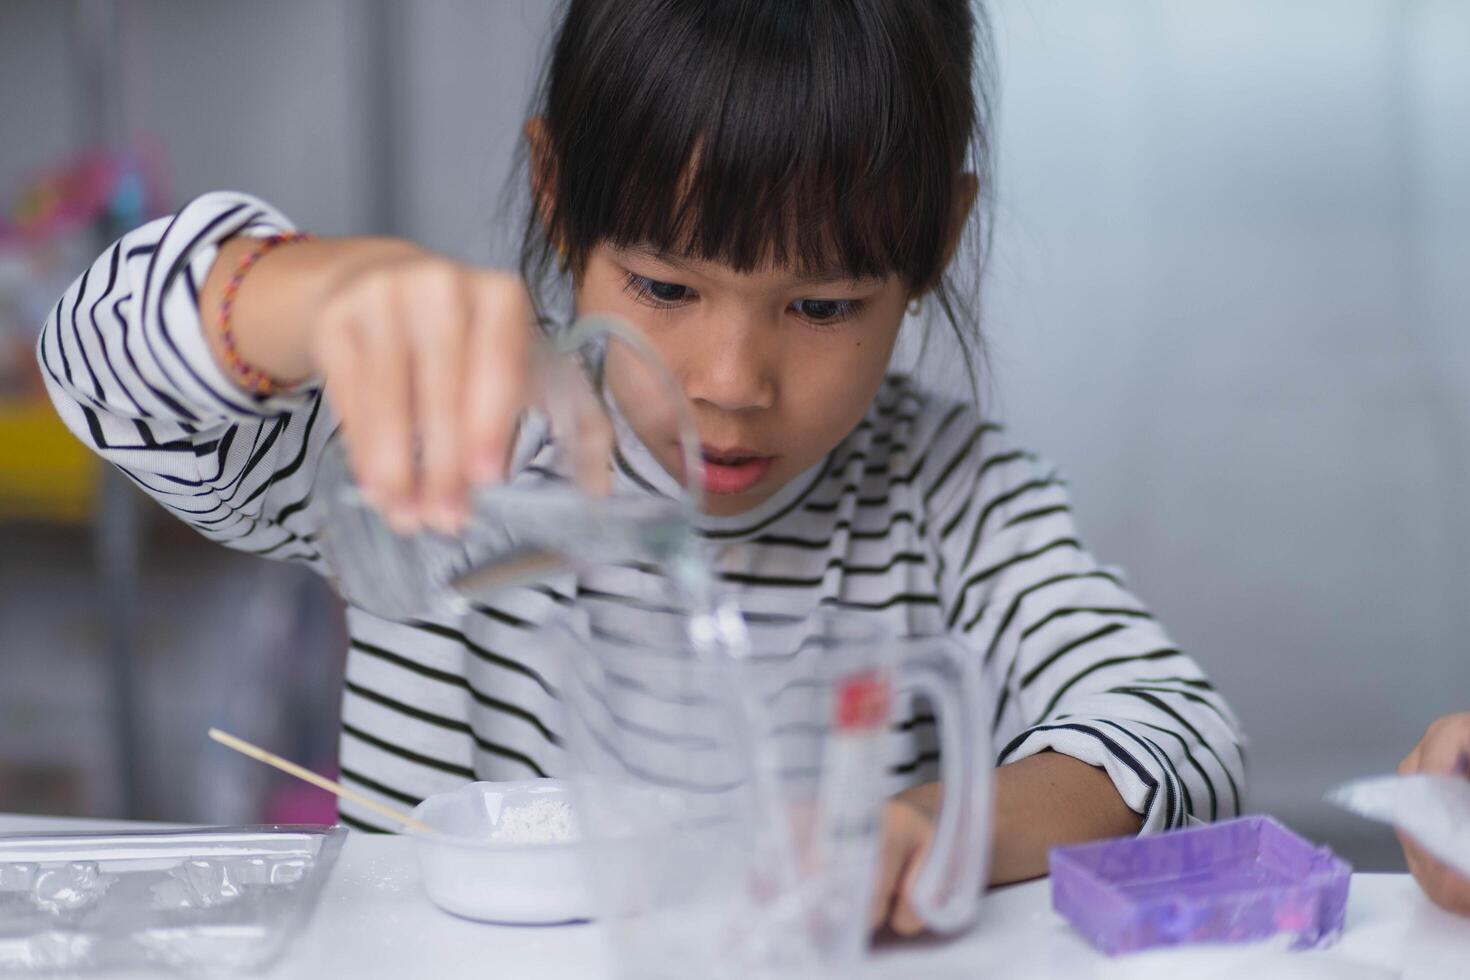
<point>763,188</point>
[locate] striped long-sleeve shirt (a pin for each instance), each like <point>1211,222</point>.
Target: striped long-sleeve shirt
<point>924,515</point>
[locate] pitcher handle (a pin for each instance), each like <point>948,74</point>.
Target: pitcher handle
<point>946,893</point>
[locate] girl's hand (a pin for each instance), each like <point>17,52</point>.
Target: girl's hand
<point>1444,750</point>
<point>908,831</point>
<point>425,360</point>
<point>1041,801</point>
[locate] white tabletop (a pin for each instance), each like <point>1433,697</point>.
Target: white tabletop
<point>373,922</point>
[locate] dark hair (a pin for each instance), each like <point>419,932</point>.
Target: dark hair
<point>820,134</point>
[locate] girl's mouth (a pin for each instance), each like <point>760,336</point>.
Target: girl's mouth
<point>731,471</point>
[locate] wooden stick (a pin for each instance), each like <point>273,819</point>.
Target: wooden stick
<point>321,782</point>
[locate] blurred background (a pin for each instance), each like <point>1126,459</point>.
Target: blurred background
<point>1228,295</point>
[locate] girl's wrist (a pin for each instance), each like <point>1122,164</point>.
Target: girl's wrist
<point>926,797</point>
<point>246,309</point>
<point>244,373</point>
<point>275,306</point>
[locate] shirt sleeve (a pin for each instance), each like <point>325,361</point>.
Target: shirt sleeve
<point>1077,664</point>
<point>127,365</point>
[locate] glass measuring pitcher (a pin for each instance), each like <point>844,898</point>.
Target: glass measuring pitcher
<point>696,874</point>
<point>554,511</point>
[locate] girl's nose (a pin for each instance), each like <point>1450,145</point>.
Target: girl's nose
<point>734,369</point>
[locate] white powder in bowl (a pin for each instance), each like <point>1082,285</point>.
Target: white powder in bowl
<point>542,821</point>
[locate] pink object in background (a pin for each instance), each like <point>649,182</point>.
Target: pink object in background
<point>72,195</point>
<point>292,801</point>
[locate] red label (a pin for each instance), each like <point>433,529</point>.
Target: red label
<point>862,701</point>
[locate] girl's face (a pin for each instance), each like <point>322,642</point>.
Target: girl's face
<point>776,368</point>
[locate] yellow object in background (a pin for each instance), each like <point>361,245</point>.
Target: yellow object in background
<point>45,472</point>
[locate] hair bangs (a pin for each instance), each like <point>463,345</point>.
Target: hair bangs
<point>791,135</point>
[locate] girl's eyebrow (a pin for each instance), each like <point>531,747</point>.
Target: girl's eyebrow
<point>827,278</point>
<point>655,254</point>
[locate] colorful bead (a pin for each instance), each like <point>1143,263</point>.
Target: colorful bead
<point>249,377</point>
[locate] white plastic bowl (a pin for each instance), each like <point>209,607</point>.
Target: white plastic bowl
<point>466,872</point>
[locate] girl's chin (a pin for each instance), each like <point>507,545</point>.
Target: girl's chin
<point>725,505</point>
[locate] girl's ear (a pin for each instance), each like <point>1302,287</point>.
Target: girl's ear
<point>542,173</point>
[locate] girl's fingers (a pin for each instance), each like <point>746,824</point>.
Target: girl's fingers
<point>337,357</point>
<point>347,384</point>
<point>906,835</point>
<point>498,364</point>
<point>905,920</point>
<point>427,364</point>
<point>384,414</point>
<point>439,308</point>
<point>888,871</point>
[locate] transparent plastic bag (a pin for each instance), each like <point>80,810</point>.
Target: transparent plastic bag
<point>521,532</point>
<point>1434,810</point>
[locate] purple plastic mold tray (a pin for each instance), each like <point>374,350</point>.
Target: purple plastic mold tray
<point>1238,881</point>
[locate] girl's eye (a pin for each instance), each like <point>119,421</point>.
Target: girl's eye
<point>826,311</point>
<point>657,293</point>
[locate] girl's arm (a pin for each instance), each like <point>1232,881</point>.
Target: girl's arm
<point>1101,726</point>
<point>129,370</point>
<point>417,354</point>
<point>1040,802</point>
<point>1078,664</point>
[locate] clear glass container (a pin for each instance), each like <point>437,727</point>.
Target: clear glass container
<point>748,791</point>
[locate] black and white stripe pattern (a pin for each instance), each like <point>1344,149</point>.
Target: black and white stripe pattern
<point>924,516</point>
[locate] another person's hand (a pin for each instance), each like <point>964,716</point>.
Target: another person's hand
<point>1444,750</point>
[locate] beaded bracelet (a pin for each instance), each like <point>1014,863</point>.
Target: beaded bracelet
<point>248,376</point>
